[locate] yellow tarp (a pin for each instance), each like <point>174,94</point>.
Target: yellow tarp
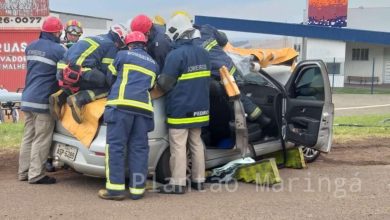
<point>86,131</point>
<point>266,57</point>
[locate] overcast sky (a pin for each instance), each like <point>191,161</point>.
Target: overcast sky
<point>269,10</point>
<point>290,11</point>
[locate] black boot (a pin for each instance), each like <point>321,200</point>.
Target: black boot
<point>171,189</point>
<point>49,166</point>
<point>197,186</point>
<point>76,107</point>
<point>45,180</point>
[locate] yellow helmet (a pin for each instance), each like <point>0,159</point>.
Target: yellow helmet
<point>182,13</point>
<point>159,20</point>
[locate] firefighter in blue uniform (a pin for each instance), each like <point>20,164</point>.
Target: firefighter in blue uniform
<point>185,78</point>
<point>159,44</point>
<point>213,41</point>
<point>129,118</point>
<point>42,57</point>
<point>83,73</point>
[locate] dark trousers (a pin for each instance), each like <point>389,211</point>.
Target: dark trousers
<point>127,136</point>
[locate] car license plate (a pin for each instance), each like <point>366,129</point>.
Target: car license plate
<point>67,152</point>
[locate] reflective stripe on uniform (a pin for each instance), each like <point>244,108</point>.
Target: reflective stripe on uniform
<point>107,164</point>
<point>191,120</point>
<point>210,46</point>
<point>194,75</point>
<point>85,69</point>
<point>61,66</point>
<point>126,69</point>
<point>232,70</point>
<point>91,94</point>
<point>132,103</point>
<point>141,69</point>
<point>112,69</point>
<point>42,60</point>
<point>255,114</point>
<point>87,52</point>
<point>107,60</point>
<point>137,191</point>
<point>35,105</point>
<point>121,94</point>
<point>109,185</point>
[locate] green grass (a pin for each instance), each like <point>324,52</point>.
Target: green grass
<point>365,90</point>
<point>11,135</point>
<point>372,126</point>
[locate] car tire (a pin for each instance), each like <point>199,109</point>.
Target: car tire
<point>310,154</point>
<point>163,170</point>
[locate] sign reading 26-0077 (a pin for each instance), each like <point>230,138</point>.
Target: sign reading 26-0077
<point>23,13</point>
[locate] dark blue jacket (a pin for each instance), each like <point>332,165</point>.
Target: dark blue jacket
<point>92,52</point>
<point>158,45</point>
<point>42,57</point>
<point>136,73</point>
<point>160,28</point>
<point>187,103</point>
<point>213,41</point>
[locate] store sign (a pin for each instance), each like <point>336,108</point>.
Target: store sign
<point>12,48</point>
<point>23,13</point>
<point>331,13</point>
<point>13,64</point>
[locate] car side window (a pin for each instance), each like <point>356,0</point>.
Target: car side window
<point>255,78</point>
<point>310,84</point>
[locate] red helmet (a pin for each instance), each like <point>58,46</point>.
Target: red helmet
<point>52,25</point>
<point>74,27</point>
<point>135,36</point>
<point>141,23</point>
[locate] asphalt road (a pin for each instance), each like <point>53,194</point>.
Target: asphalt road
<point>352,182</point>
<point>360,104</point>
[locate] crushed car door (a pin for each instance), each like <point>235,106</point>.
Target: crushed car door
<point>309,107</point>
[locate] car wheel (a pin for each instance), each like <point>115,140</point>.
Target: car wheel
<point>310,154</point>
<point>163,170</point>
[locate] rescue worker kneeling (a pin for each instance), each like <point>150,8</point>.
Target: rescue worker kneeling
<point>186,78</point>
<point>129,118</point>
<point>83,73</point>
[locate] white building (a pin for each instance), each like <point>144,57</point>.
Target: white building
<point>91,25</point>
<point>355,60</point>
<point>349,57</point>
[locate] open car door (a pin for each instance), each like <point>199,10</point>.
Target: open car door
<point>309,109</point>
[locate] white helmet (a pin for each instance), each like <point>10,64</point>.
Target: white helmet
<point>119,31</point>
<point>178,25</point>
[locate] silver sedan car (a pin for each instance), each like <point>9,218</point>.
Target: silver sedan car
<point>299,104</point>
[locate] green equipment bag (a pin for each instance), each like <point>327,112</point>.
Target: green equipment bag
<point>263,172</point>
